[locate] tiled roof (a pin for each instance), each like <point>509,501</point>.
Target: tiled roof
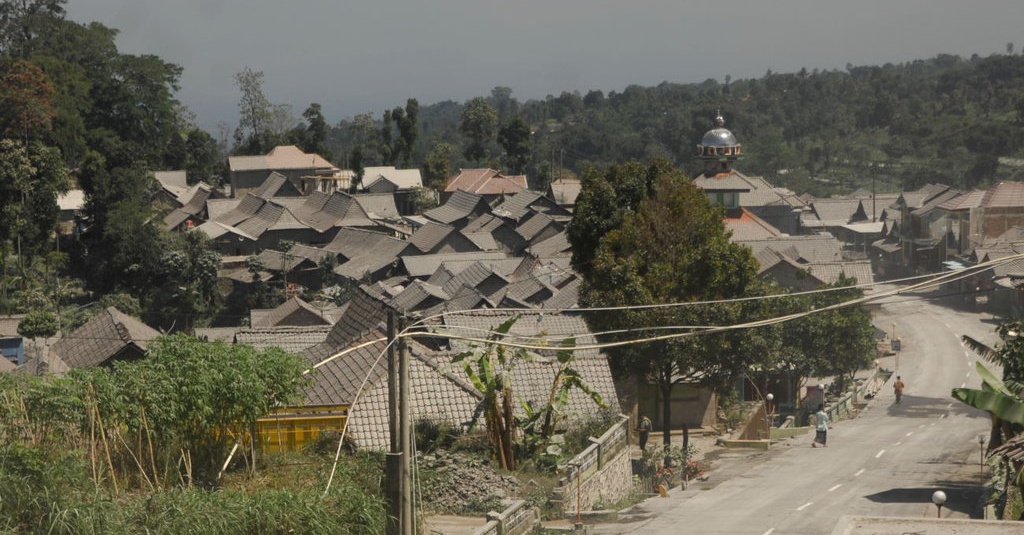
<point>964,201</point>
<point>292,339</point>
<point>828,272</point>
<point>378,205</point>
<point>364,314</point>
<point>537,224</point>
<point>1004,195</point>
<point>107,335</point>
<point>429,236</point>
<point>401,178</point>
<point>750,227</point>
<point>216,334</point>
<point>441,390</point>
<point>567,296</point>
<point>753,190</point>
<point>470,277</point>
<point>9,324</point>
<point>418,295</point>
<point>836,212</point>
<point>293,312</point>
<point>936,200</point>
<point>424,265</point>
<point>172,179</point>
<point>565,190</point>
<point>485,182</point>
<point>483,241</point>
<point>72,200</point>
<point>522,204</point>
<point>461,205</point>
<point>557,245</point>
<point>807,248</point>
<point>281,157</point>
<point>33,365</point>
<point>273,185</point>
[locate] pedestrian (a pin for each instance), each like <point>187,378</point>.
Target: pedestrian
<point>821,427</point>
<point>644,430</point>
<point>898,387</point>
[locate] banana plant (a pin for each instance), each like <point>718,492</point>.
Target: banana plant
<point>1002,399</point>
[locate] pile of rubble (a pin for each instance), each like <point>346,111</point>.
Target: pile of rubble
<point>457,484</point>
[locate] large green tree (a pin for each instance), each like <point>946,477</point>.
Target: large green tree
<point>32,176</point>
<point>514,138</point>
<point>832,342</point>
<point>479,120</point>
<point>671,250</point>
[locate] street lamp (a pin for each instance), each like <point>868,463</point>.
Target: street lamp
<point>769,410</point>
<point>938,498</point>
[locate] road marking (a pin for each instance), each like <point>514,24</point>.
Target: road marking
<point>804,506</point>
<point>968,375</point>
<point>769,532</point>
<point>963,385</point>
<point>941,416</point>
<point>879,454</point>
<point>835,487</point>
<point>897,444</point>
<point>908,434</point>
<point>920,426</point>
<point>950,406</point>
<point>859,472</point>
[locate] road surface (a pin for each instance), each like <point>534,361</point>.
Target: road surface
<point>886,462</point>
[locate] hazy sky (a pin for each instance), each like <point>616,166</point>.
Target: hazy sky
<point>355,57</point>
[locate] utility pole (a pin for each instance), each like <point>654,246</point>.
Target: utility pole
<point>401,519</point>
<point>394,490</point>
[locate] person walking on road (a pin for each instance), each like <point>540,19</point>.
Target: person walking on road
<point>821,427</point>
<point>643,428</point>
<point>898,387</point>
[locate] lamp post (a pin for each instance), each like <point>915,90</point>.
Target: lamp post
<point>938,498</point>
<point>769,410</point>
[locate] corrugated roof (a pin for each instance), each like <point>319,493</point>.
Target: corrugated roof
<point>424,265</point>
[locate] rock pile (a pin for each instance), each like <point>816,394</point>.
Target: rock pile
<point>453,483</point>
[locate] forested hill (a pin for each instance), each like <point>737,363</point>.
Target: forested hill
<point>945,119</point>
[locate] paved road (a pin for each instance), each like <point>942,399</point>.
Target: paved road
<point>887,462</point>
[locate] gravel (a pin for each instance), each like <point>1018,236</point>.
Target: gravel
<point>456,483</point>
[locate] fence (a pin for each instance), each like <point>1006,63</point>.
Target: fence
<point>516,519</point>
<point>600,473</point>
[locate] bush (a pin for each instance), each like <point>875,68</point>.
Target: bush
<point>432,435</point>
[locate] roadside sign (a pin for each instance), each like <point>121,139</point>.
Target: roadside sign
<point>896,344</point>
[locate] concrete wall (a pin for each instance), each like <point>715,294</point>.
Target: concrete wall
<point>612,483</point>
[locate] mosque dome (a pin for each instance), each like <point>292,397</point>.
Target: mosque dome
<point>719,143</point>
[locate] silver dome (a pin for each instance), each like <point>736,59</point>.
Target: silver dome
<point>719,137</point>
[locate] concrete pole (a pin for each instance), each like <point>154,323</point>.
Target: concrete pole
<point>394,475</point>
<point>405,425</point>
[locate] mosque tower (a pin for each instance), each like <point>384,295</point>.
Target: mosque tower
<point>719,149</point>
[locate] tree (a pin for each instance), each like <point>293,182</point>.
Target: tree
<point>260,123</point>
<point>672,250</point>
<point>437,165</point>
<point>32,176</point>
<point>315,135</point>
<point>514,137</point>
<point>834,342</point>
<point>38,324</point>
<point>26,101</point>
<point>22,21</point>
<point>479,119</point>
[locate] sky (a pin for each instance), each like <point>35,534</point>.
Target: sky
<point>372,55</point>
